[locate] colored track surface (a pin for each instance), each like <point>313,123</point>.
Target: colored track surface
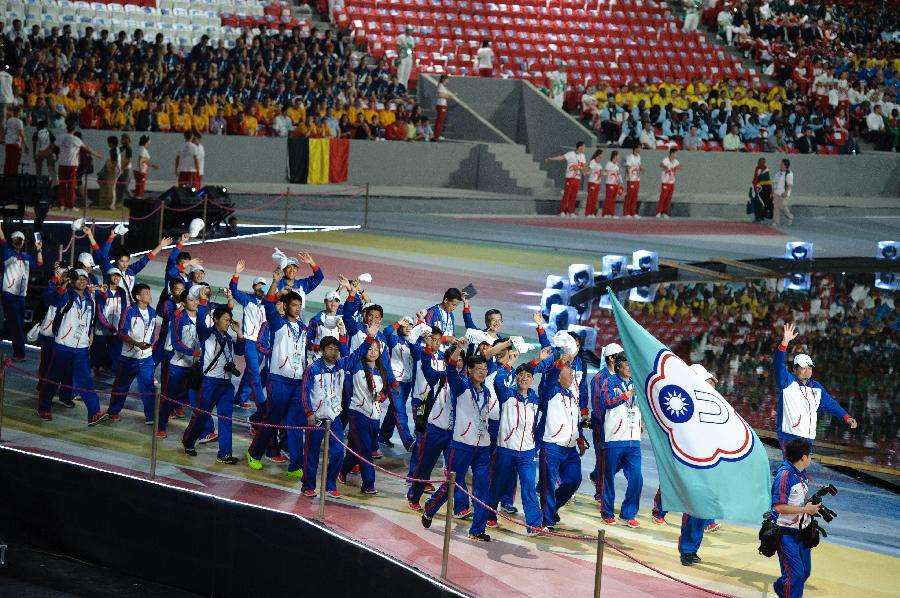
<point>643,226</point>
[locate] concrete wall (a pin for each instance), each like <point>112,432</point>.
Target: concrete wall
<point>463,122</point>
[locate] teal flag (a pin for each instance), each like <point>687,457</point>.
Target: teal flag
<point>711,463</point>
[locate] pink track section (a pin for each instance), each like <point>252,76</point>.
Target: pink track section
<point>644,226</point>
<point>498,568</point>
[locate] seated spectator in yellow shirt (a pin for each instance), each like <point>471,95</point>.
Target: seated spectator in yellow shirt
<point>250,124</point>
<point>200,122</point>
<point>296,112</point>
<point>163,121</point>
<point>181,122</point>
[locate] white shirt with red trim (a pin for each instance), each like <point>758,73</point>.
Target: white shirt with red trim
<point>613,175</point>
<point>633,165</point>
<point>574,163</point>
<point>668,173</point>
<point>595,172</point>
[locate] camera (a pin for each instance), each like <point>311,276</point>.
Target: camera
<point>231,369</point>
<point>816,499</point>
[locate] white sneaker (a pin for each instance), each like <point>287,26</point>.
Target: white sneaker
<point>666,216</point>
<point>615,217</point>
<point>638,216</point>
<point>628,216</point>
<point>659,215</point>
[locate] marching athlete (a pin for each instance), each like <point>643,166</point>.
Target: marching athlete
<point>16,267</point>
<point>575,165</point>
<point>112,301</point>
<point>252,319</point>
<point>137,328</point>
<point>185,353</point>
<point>402,348</point>
<point>324,324</point>
<point>800,398</point>
<point>441,315</point>
<point>598,413</point>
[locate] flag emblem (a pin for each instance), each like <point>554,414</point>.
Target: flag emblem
<point>701,427</point>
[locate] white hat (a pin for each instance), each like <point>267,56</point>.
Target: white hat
<point>194,291</point>
<point>611,349</point>
<point>564,341</point>
<point>86,259</point>
<point>17,235</point>
<point>112,271</point>
<point>702,372</point>
<point>288,261</point>
<point>195,227</point>
<point>120,229</point>
<point>332,296</point>
<point>77,224</point>
<point>196,268</point>
<point>520,345</point>
<point>365,277</point>
<point>260,279</point>
<point>81,272</point>
<point>803,360</point>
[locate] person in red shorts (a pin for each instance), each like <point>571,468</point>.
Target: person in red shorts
<point>670,166</point>
<point>575,165</point>
<point>187,163</point>
<point>14,140</point>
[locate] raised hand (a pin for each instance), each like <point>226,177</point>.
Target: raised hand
<point>195,262</point>
<point>545,353</point>
<point>306,258</point>
<point>421,315</point>
<point>342,330</point>
<point>165,241</point>
<point>790,333</point>
<point>344,282</point>
<point>538,319</point>
<point>372,329</point>
<point>38,245</point>
<point>239,267</point>
<point>184,238</point>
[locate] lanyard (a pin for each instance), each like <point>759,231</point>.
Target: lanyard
<point>295,337</point>
<point>146,323</point>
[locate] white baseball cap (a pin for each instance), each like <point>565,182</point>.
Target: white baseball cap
<point>260,279</point>
<point>702,372</point>
<point>803,360</point>
<point>112,271</point>
<point>81,272</point>
<point>194,292</point>
<point>288,261</point>
<point>196,268</point>
<point>611,349</point>
<point>332,296</point>
<point>86,259</point>
<point>196,225</point>
<point>17,235</point>
<point>77,224</point>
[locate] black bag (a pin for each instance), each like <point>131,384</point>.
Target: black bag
<point>769,536</point>
<point>194,378</point>
<point>420,417</point>
<point>811,534</point>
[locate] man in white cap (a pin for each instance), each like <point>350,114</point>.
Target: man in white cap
<point>120,258</point>
<point>302,286</point>
<point>608,354</point>
<point>405,44</point>
<point>800,398</point>
<point>327,322</point>
<point>254,316</point>
<point>16,267</point>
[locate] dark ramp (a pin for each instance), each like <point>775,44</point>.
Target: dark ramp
<point>187,540</point>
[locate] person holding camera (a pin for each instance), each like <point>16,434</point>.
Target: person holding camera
<point>287,364</point>
<point>137,328</point>
<point>254,314</point>
<point>321,400</point>
<point>789,489</point>
<point>800,398</point>
<point>216,391</point>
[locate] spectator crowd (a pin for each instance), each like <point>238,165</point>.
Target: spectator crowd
<point>851,330</point>
<point>299,83</point>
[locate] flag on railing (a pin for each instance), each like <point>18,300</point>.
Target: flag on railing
<point>318,161</point>
<point>711,463</point>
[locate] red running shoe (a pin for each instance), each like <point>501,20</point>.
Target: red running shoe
<point>377,454</point>
<point>355,470</point>
<point>464,514</point>
<point>334,494</point>
<point>46,415</point>
<point>310,493</point>
<point>712,527</point>
<point>429,487</point>
<point>211,437</point>
<point>114,417</point>
<point>609,520</point>
<point>631,523</point>
<point>161,434</point>
<point>413,506</point>
<point>279,458</point>
<point>178,413</point>
<point>659,520</point>
<point>493,524</point>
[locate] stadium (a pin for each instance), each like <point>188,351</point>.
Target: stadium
<point>644,222</point>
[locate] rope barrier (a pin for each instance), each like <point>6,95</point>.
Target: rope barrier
<point>7,364</point>
<point>74,389</point>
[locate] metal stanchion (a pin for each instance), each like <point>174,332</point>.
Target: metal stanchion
<point>2,390</point>
<point>445,554</point>
<point>205,211</point>
<point>154,441</point>
<point>601,542</point>
<point>366,209</point>
<point>324,470</point>
<point>287,192</point>
<point>162,215</point>
<point>72,251</point>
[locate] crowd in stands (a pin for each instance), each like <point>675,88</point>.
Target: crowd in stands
<point>294,82</point>
<point>851,330</point>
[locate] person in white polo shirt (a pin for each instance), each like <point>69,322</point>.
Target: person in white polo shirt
<point>670,167</point>
<point>187,161</point>
<point>484,59</point>
<point>14,140</point>
<point>7,96</point>
<point>67,172</point>
<point>575,165</point>
<point>781,187</point>
<point>634,169</point>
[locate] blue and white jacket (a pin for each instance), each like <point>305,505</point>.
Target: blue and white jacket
<point>596,396</point>
<point>403,360</point>
<point>140,326</point>
<point>183,335</point>
<point>73,324</point>
<point>16,267</point>
<point>254,311</point>
<point>110,306</point>
<point>129,278</point>
<point>369,402</point>
<point>789,487</point>
<point>287,358</point>
<point>322,392</point>
<point>471,407</point>
<point>431,375</point>
<point>211,341</point>
<point>799,404</point>
<point>621,416</point>
<point>560,421</point>
<point>518,419</point>
<point>46,328</point>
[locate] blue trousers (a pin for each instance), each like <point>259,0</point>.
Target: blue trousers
<point>509,494</point>
<point>560,477</point>
<point>429,446</point>
<point>283,392</point>
<point>691,533</point>
<point>508,465</point>
<point>174,387</point>
<point>312,450</point>
<point>796,564</point>
<point>70,366</point>
<point>250,386</point>
<point>396,417</point>
<point>14,313</point>
<point>296,439</point>
<point>462,457</point>
<point>596,476</point>
<point>215,393</point>
<point>628,460</point>
<point>362,438</point>
<point>126,371</point>
<point>46,345</point>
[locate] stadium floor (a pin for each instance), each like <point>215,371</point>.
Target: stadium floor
<point>412,259</point>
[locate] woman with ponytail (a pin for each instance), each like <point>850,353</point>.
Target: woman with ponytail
<point>369,389</point>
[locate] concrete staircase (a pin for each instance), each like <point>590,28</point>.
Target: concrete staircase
<point>522,168</point>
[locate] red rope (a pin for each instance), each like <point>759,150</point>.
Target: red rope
<point>75,389</point>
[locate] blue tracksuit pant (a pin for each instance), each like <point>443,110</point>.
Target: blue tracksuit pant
<point>126,371</point>
<point>14,314</point>
<point>215,393</point>
<point>362,438</point>
<point>296,439</point>
<point>796,565</point>
<point>312,449</point>
<point>596,476</point>
<point>508,465</point>
<point>70,366</point>
<point>658,510</point>
<point>46,345</point>
<point>174,387</point>
<point>560,476</point>
<point>462,457</point>
<point>429,446</point>
<point>626,458</point>
<point>250,386</point>
<point>283,392</point>
<point>691,533</point>
<point>509,494</point>
<point>396,417</point>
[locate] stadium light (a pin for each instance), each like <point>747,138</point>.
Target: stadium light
<point>551,297</point>
<point>581,276</point>
<point>644,261</point>
<point>888,281</point>
<point>800,250</point>
<point>613,266</point>
<point>562,317</point>
<point>644,294</point>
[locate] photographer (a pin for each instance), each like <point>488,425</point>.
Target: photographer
<point>216,390</point>
<point>789,489</point>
